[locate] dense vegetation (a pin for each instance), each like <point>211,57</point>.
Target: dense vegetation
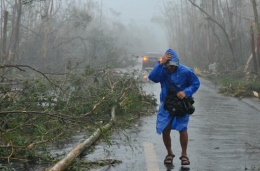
<point>40,111</point>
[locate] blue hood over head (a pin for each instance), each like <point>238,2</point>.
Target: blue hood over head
<point>175,59</point>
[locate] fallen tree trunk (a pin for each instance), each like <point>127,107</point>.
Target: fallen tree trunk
<point>66,161</point>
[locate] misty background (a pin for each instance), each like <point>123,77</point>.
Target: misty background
<point>55,35</point>
<point>140,13</point>
<point>64,62</point>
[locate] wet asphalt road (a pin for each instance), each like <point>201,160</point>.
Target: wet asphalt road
<point>223,136</point>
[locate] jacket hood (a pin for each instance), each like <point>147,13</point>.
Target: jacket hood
<point>175,58</point>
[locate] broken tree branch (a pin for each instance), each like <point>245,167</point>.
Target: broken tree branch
<point>74,153</point>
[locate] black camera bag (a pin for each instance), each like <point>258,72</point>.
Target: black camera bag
<point>176,106</point>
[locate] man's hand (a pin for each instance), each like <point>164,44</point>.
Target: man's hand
<point>181,94</point>
<point>165,58</point>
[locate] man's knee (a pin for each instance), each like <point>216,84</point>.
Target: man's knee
<point>166,131</point>
<point>184,132</point>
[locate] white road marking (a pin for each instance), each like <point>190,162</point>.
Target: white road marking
<point>150,156</point>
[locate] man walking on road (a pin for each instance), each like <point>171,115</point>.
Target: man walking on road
<point>170,73</point>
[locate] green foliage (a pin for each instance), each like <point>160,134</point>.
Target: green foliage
<point>237,84</point>
<point>40,112</point>
<point>6,168</point>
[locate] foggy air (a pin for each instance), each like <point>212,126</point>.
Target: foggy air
<point>78,69</point>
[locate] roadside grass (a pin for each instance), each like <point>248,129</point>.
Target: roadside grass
<point>236,84</point>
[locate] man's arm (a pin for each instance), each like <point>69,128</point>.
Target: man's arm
<point>157,73</point>
<point>194,84</point>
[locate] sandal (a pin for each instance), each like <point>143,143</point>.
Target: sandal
<point>168,159</point>
<point>185,162</point>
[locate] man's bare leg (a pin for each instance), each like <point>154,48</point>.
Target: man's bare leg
<point>167,142</point>
<point>184,144</point>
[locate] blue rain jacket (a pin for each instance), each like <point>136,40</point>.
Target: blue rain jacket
<point>182,79</point>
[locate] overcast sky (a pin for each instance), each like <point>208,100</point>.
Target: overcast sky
<point>138,11</point>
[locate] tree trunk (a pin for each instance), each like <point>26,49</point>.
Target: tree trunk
<point>258,34</point>
<point>14,50</point>
<point>4,38</point>
<point>183,45</point>
<point>213,42</point>
<point>253,46</point>
<point>65,162</point>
